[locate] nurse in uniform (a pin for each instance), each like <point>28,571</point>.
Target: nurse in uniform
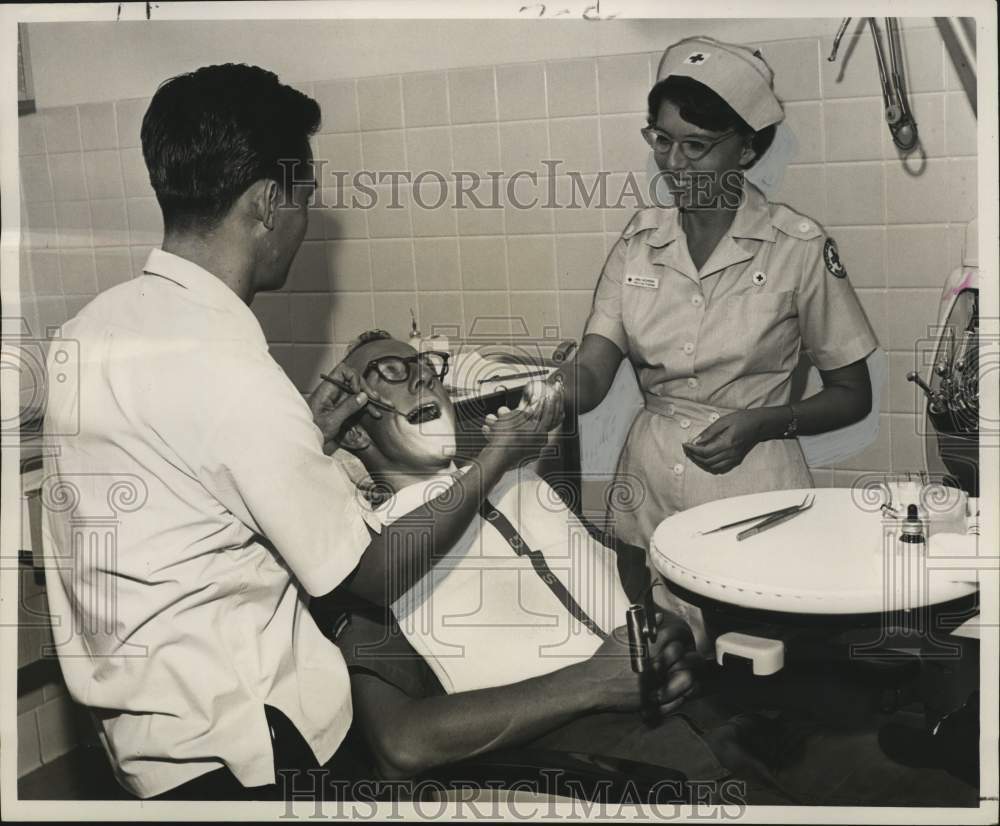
<point>712,299</point>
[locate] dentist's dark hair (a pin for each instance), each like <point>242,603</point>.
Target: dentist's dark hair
<point>208,135</point>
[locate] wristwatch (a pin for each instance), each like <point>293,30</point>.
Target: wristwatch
<point>793,426</point>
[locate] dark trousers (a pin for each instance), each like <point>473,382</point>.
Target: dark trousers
<point>297,773</point>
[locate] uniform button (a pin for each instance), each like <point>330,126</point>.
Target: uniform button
<point>685,423</point>
<point>805,226</point>
<point>692,382</point>
<point>670,409</point>
<point>697,300</point>
<point>713,416</point>
<point>689,348</point>
<point>678,468</point>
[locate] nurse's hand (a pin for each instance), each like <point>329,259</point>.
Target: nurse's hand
<point>724,444</point>
<point>331,406</point>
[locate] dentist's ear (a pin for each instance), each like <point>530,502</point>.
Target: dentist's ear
<point>264,197</point>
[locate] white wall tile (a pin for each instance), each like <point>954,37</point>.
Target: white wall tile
<point>805,119</point>
<point>341,153</point>
<point>960,125</point>
<point>380,102</point>
<point>393,266</point>
<point>73,227</point>
<point>440,313</point>
<point>854,194</point>
<point>436,261</point>
<point>531,260</point>
<point>486,314</point>
<point>803,189</point>
<point>622,147</point>
<point>525,211</point>
<point>623,83</point>
<point>537,313</point>
<point>79,276</point>
<point>571,87</point>
<point>39,219</point>
<point>579,259</point>
<point>98,126</point>
<point>877,456</point>
<point>796,68</point>
<point>429,150</point>
<point>472,95</point>
<point>310,268</point>
<point>31,135</point>
<point>905,396</point>
<point>129,114</point>
<point>523,147</point>
<point>312,318</point>
<point>521,91</point>
<point>479,209</point>
<point>135,174</point>
<point>907,444</point>
<point>923,60</point>
<point>68,181</point>
<point>912,316</point>
<point>578,204</point>
<point>483,263</point>
<point>383,151</point>
<point>145,221</point>
<point>62,129</point>
<point>917,199</point>
<point>36,183</point>
<point>476,148</point>
<point>352,315</point>
<point>338,103</point>
<point>874,304</point>
<point>45,276</point>
<point>431,211</point>
<point>392,312</point>
<point>103,174</point>
<point>853,129</point>
<point>342,219</point>
<point>390,215</point>
<point>917,255</point>
<point>962,189</point>
<point>576,143</point>
<point>349,265</point>
<point>273,311</point>
<point>574,309</point>
<point>425,99</point>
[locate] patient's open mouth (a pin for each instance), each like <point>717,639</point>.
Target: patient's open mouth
<point>424,413</point>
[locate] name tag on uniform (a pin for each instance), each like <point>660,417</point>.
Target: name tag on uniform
<point>649,282</point>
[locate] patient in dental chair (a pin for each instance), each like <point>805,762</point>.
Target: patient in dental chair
<point>514,639</point>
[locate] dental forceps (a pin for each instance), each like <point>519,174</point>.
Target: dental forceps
<point>898,116</point>
<point>766,519</point>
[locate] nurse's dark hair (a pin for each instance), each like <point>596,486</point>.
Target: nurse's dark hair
<point>705,109</point>
<point>210,134</point>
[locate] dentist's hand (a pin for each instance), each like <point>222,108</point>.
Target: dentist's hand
<point>516,432</point>
<point>331,406</point>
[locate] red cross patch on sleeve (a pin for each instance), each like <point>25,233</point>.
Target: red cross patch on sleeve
<point>832,259</point>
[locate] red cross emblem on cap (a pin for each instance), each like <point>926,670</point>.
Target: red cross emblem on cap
<point>697,57</point>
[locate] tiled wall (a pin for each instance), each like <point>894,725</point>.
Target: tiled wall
<point>90,215</point>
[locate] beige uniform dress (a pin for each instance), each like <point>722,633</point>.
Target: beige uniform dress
<point>725,338</point>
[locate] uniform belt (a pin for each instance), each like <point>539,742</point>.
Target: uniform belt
<point>685,409</point>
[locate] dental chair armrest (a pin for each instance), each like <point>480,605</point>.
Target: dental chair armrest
<point>563,774</point>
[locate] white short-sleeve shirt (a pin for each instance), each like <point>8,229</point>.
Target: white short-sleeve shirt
<point>188,510</point>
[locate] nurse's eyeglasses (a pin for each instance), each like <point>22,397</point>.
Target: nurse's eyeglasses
<point>396,369</point>
<point>694,149</point>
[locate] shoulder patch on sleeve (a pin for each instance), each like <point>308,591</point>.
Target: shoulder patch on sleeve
<point>832,259</point>
<point>644,219</point>
<point>795,224</point>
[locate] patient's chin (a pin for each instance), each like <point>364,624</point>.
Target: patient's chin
<point>432,440</point>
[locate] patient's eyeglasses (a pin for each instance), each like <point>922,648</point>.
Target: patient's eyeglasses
<point>694,149</point>
<point>396,369</point>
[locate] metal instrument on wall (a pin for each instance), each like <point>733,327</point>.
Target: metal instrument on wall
<point>898,116</point>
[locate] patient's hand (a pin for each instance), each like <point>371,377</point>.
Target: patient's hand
<point>617,686</point>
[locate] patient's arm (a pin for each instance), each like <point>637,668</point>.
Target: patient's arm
<point>409,735</point>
